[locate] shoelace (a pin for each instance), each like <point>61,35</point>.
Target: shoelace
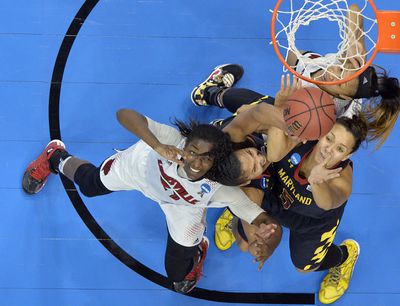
<point>200,259</point>
<point>228,226</point>
<point>193,274</point>
<point>227,79</point>
<point>334,276</point>
<point>41,171</point>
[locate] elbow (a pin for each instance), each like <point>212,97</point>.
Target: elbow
<point>354,7</point>
<point>121,114</point>
<point>127,116</point>
<point>330,204</point>
<point>273,157</point>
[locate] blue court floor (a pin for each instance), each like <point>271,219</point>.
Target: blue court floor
<point>66,67</point>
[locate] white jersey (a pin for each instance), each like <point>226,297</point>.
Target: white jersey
<point>184,202</point>
<point>346,108</point>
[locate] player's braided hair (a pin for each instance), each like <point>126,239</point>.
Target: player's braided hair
<point>221,142</point>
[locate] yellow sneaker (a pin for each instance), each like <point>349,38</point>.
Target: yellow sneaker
<point>224,237</point>
<point>224,75</point>
<point>337,281</point>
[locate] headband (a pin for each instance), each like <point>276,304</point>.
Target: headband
<point>365,85</point>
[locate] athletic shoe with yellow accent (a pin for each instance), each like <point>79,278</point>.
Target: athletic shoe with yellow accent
<point>217,122</point>
<point>337,281</point>
<point>224,75</point>
<point>224,237</point>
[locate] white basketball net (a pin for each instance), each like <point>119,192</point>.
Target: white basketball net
<point>303,12</point>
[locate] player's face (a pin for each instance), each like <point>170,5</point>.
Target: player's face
<point>344,90</point>
<point>334,147</point>
<point>252,163</point>
<point>197,162</point>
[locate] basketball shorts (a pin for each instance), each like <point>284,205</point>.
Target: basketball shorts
<point>310,238</point>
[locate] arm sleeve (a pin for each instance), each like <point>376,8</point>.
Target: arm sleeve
<point>164,133</point>
<point>238,203</point>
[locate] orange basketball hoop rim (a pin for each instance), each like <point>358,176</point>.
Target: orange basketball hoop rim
<point>388,41</point>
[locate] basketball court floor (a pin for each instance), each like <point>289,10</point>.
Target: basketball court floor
<point>66,67</point>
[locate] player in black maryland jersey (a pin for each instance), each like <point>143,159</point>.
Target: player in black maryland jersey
<point>306,190</point>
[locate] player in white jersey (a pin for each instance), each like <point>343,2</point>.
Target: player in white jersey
<point>383,92</point>
<point>347,107</point>
<point>176,173</point>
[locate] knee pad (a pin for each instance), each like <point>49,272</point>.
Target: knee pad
<point>87,177</point>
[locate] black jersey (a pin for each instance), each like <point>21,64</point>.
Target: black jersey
<point>293,191</point>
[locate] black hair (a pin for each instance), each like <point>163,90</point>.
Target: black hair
<point>383,107</point>
<point>357,126</point>
<point>230,171</point>
<point>220,141</point>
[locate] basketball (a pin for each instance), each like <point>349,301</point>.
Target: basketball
<point>309,113</point>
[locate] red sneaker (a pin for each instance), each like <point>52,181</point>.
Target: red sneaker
<point>191,280</point>
<point>36,174</point>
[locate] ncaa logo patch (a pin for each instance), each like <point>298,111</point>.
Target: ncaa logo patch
<point>205,188</point>
<point>264,183</point>
<point>295,158</point>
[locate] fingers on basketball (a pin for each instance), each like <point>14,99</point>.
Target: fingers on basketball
<point>309,113</point>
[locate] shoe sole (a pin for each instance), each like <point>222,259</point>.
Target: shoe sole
<point>223,247</point>
<point>212,72</point>
<point>219,245</point>
<point>59,143</point>
<point>358,255</point>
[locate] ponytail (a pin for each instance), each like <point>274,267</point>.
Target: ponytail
<point>382,111</point>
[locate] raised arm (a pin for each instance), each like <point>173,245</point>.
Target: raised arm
<point>356,53</point>
<point>330,187</point>
<point>263,116</point>
<point>278,141</point>
<point>278,144</point>
<point>256,119</point>
<point>138,125</point>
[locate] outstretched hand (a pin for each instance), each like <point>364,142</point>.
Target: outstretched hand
<point>171,153</point>
<point>286,89</point>
<point>320,173</point>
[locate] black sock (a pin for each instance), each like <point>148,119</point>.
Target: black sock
<point>345,253</point>
<point>56,158</point>
<point>335,257</point>
<point>212,96</point>
<point>233,98</point>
